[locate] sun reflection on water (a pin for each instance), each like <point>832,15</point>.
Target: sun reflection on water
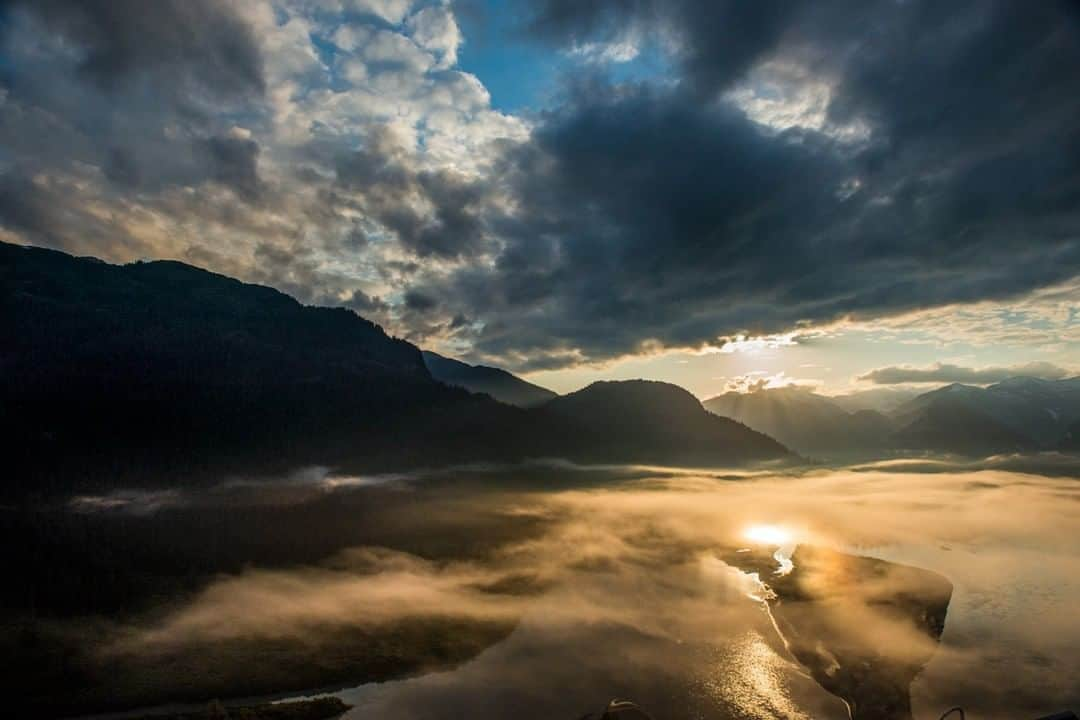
<point>768,535</point>
<point>753,680</point>
<point>774,536</point>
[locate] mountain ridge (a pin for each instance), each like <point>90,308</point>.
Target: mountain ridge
<point>802,419</point>
<point>160,372</point>
<point>1019,414</point>
<point>496,382</point>
<point>1041,410</point>
<point>680,427</point>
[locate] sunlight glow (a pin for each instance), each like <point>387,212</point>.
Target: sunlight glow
<point>757,343</point>
<point>767,535</point>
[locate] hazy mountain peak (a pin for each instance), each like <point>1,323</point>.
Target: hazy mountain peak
<point>1023,381</point>
<point>801,419</point>
<point>1018,411</point>
<point>959,388</point>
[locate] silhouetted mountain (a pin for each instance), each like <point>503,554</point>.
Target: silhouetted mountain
<point>648,421</point>
<point>497,383</point>
<point>158,372</point>
<point>1040,410</point>
<point>952,425</point>
<point>160,367</point>
<point>803,420</point>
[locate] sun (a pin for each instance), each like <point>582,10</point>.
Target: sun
<point>767,535</point>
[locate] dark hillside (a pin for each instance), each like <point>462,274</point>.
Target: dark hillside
<point>159,372</point>
<point>499,384</point>
<point>646,421</point>
<point>161,368</point>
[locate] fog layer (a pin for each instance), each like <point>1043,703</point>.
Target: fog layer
<point>621,582</point>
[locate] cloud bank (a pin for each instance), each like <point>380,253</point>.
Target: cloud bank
<point>947,373</point>
<point>790,166</point>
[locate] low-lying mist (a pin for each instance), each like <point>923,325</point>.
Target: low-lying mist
<point>545,591</point>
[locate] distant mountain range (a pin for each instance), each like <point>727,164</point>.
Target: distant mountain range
<point>1039,410</point>
<point>499,384</point>
<point>158,372</point>
<point>804,420</point>
<point>1021,414</point>
<point>635,420</point>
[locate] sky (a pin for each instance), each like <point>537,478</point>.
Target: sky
<point>721,194</point>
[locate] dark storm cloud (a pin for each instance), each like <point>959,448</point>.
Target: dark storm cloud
<point>21,206</point>
<point>121,167</point>
<point>650,216</point>
<point>132,90</point>
<point>234,162</point>
<point>639,204</point>
<point>419,302</point>
<point>365,304</point>
<point>940,166</point>
<point>946,373</point>
<point>198,42</point>
<point>431,213</point>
